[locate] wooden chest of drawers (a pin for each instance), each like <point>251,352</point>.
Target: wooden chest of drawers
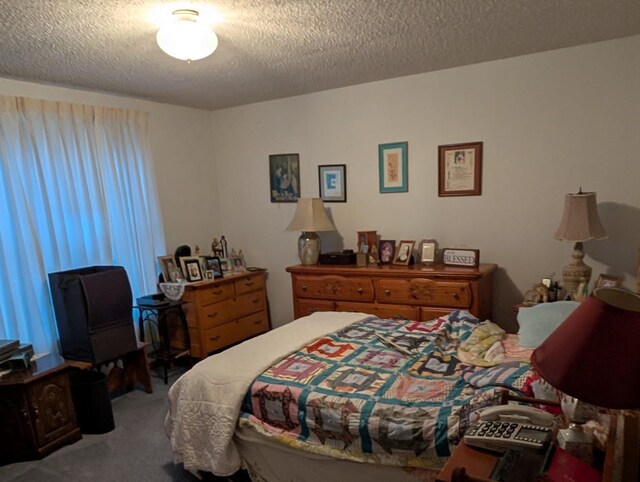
<point>388,291</point>
<point>225,311</point>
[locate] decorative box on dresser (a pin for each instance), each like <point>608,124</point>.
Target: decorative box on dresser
<point>225,311</point>
<point>388,291</point>
<point>36,410</point>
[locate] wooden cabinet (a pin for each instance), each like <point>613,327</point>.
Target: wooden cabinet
<point>36,410</point>
<point>225,311</point>
<point>388,291</point>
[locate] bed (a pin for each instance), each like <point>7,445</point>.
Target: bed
<point>343,396</point>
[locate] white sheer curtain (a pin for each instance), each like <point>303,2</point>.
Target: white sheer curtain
<point>76,189</point>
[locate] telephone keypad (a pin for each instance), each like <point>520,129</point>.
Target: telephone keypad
<point>530,435</point>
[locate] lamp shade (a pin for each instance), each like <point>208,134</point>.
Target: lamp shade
<point>580,220</point>
<point>594,355</point>
<point>310,216</point>
<point>187,38</point>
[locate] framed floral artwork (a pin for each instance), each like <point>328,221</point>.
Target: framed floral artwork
<point>393,166</point>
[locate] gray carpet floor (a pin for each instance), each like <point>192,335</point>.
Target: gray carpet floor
<point>136,450</point>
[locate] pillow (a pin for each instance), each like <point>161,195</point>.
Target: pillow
<point>538,322</point>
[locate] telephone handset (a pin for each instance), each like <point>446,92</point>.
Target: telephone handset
<point>511,426</point>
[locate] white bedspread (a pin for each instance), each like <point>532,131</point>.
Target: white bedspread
<point>204,404</point>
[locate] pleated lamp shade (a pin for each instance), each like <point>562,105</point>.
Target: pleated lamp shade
<point>309,218</point>
<point>594,355</point>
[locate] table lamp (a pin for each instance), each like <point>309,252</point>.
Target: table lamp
<point>580,222</point>
<point>594,356</point>
<point>310,217</point>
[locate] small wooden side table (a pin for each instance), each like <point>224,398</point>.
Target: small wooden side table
<point>36,410</point>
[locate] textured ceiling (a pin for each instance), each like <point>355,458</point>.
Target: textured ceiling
<point>271,49</point>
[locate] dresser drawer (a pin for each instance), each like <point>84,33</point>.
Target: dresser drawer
<point>217,313</point>
<point>250,283</point>
<point>307,307</point>
<point>214,293</point>
<point>224,335</point>
<point>456,294</point>
<point>333,288</point>
<point>381,310</point>
<point>249,303</point>
<point>427,314</point>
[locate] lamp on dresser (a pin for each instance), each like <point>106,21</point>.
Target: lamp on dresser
<point>580,222</point>
<point>310,217</point>
<point>593,357</point>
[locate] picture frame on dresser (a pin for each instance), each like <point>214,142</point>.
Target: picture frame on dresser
<point>608,281</point>
<point>212,264</point>
<point>171,272</point>
<point>404,252</point>
<point>238,264</point>
<point>333,183</point>
<point>191,268</point>
<point>393,165</point>
<point>387,250</point>
<point>460,169</point>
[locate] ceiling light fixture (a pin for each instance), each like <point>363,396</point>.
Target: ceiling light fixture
<point>186,37</point>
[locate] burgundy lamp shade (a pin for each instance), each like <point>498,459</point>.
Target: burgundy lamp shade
<point>594,355</point>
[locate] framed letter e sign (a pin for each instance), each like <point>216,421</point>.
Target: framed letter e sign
<point>461,257</point>
<point>333,183</point>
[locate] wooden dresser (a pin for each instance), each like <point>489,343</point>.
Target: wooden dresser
<point>225,311</point>
<point>388,291</point>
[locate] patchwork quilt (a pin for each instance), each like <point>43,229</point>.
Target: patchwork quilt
<point>380,390</point>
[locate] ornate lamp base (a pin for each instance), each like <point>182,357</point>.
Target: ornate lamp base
<point>576,271</point>
<point>309,248</point>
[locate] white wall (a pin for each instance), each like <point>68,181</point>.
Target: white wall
<point>181,145</point>
<point>550,123</point>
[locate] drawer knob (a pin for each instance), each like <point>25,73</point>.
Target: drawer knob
<point>387,292</point>
<point>257,322</point>
<point>217,292</point>
<point>249,284</point>
<point>304,287</point>
<point>213,315</point>
<point>456,296</point>
<point>255,302</point>
<point>214,338</point>
<point>360,291</point>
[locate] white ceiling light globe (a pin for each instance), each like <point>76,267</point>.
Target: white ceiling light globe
<point>186,38</point>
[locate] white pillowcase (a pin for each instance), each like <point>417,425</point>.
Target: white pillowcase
<point>538,322</point>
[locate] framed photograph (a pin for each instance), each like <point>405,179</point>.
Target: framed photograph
<point>428,248</point>
<point>191,268</point>
<point>212,264</point>
<point>238,264</point>
<point>366,241</point>
<point>171,272</point>
<point>387,250</point>
<point>333,183</point>
<point>404,252</point>
<point>609,281</point>
<point>460,169</point>
<point>225,265</point>
<point>393,165</point>
<point>210,274</point>
<point>284,170</point>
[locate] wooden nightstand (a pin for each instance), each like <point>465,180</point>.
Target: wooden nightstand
<point>36,410</point>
